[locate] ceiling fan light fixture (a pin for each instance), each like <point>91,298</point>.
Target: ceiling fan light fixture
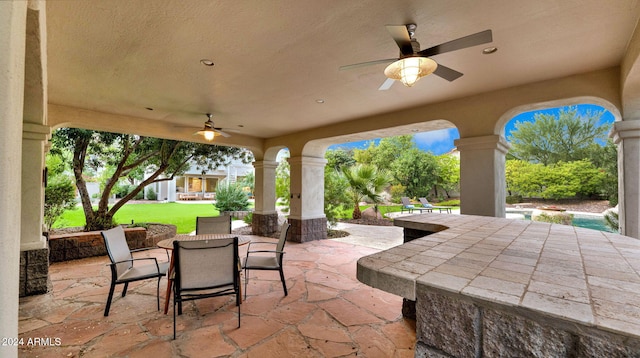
<point>207,133</point>
<point>410,69</point>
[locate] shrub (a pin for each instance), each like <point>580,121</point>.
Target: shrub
<point>248,219</point>
<point>231,198</point>
<point>397,191</point>
<point>514,199</point>
<point>151,194</point>
<point>560,218</point>
<point>452,202</point>
<point>59,196</point>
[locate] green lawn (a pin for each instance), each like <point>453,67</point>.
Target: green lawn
<point>183,216</point>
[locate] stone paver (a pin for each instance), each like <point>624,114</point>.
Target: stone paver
<point>327,312</point>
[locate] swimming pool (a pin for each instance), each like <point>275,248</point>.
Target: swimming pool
<point>594,222</point>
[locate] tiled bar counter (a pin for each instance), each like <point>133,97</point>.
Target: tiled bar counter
<point>494,287</point>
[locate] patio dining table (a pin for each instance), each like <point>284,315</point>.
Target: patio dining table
<point>167,244</point>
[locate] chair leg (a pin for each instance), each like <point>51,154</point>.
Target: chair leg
<point>111,289</point>
<point>284,285</point>
<point>124,291</point>
<point>238,302</point>
<point>158,293</point>
<point>174,319</point>
<point>246,281</point>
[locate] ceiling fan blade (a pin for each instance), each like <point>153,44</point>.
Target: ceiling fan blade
<point>224,134</point>
<point>401,37</point>
<point>479,38</point>
<point>369,63</point>
<point>386,84</point>
<point>447,73</point>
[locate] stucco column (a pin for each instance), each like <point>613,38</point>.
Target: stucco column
<point>307,218</point>
<point>13,17</point>
<point>265,216</point>
<point>482,175</point>
<point>626,134</point>
<point>34,139</point>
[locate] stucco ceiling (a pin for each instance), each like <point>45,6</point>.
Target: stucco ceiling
<point>275,59</point>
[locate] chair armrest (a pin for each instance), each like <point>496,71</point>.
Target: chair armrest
<point>143,249</point>
<point>261,242</point>
<point>150,248</point>
<point>139,259</point>
<point>270,251</point>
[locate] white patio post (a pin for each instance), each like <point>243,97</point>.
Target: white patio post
<point>482,175</point>
<point>626,134</point>
<point>307,218</point>
<point>13,19</point>
<point>265,216</point>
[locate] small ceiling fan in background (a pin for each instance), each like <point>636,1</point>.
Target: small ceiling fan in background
<point>210,131</point>
<point>414,63</point>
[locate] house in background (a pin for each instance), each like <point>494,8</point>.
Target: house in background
<point>196,184</point>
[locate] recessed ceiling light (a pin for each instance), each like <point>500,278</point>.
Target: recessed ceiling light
<point>320,100</point>
<point>489,50</point>
<point>206,62</point>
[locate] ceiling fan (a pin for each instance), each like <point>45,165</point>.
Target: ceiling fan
<point>210,131</point>
<point>414,63</point>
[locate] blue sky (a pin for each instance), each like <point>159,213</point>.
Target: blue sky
<point>441,141</point>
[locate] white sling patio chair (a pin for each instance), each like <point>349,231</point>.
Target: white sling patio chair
<point>270,260</point>
<point>125,269</point>
<point>204,269</point>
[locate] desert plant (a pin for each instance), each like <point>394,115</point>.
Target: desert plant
<point>365,182</point>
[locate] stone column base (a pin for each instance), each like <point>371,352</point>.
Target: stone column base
<point>34,272</point>
<point>264,224</point>
<point>307,230</point>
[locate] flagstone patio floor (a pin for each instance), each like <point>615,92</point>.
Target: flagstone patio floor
<point>327,313</point>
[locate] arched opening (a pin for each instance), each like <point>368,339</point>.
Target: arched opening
<point>561,162</point>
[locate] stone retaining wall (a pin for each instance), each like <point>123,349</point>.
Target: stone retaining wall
<point>34,264</point>
<point>86,244</point>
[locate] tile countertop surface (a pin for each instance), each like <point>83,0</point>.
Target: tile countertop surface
<point>577,275</point>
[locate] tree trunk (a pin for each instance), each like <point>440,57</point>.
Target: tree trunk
<point>357,214</point>
<point>79,154</point>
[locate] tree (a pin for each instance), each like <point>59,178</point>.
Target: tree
<point>335,184</point>
<point>338,158</point>
<point>416,171</point>
<point>550,139</point>
<point>386,152</point>
<point>365,181</point>
<point>447,173</point>
<point>161,159</point>
<point>283,182</point>
<point>335,194</point>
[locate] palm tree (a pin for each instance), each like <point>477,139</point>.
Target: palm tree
<point>365,181</point>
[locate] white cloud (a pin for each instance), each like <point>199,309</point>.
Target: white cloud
<point>436,137</point>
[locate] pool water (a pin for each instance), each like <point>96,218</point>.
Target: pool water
<point>586,221</point>
<point>595,223</point>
